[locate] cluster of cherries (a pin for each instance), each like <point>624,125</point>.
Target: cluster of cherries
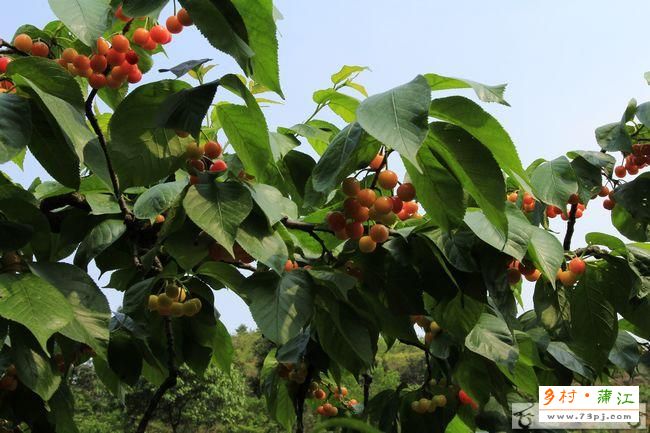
<point>364,206</point>
<point>516,269</point>
<point>430,327</point>
<point>635,161</point>
<point>9,381</point>
<point>202,157</point>
<point>291,265</point>
<point>574,270</point>
<point>339,395</point>
<point>425,405</point>
<point>173,302</point>
<point>527,201</point>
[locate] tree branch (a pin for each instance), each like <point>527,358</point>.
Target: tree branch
<point>11,49</point>
<point>126,213</point>
<point>367,381</point>
<point>301,395</point>
<point>168,383</point>
<point>570,227</point>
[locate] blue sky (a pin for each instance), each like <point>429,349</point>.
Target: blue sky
<point>570,65</point>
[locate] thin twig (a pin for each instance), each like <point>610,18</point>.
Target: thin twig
<point>570,227</point>
<point>167,384</point>
<point>126,213</point>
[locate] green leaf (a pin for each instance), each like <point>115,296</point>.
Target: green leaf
<point>630,227</point>
<point>568,358</point>
<point>261,31</point>
<point>597,159</point>
<point>611,242</point>
<point>246,128</point>
<point>141,151</point>
<point>316,136</point>
<point>157,199</point>
<point>468,115</point>
<point>34,303</point>
<point>281,306</point>
<point>398,117</point>
<point>224,273</point>
<point>475,168</point>
<point>625,354</point>
<point>20,206</point>
<point>218,209</point>
<point>89,304</point>
<point>102,204</point>
<point>436,185</point>
<point>86,19</point>
<point>223,351</point>
<point>102,236</point>
<point>350,149</point>
<point>223,27</point>
<point>485,93</point>
<point>340,103</point>
<point>185,110</point>
<point>554,181</point>
<point>141,8</point>
<point>492,339</point>
<point>594,324</point>
<point>546,252</point>
<point>347,423</point>
<point>14,236</point>
<point>274,205</point>
<point>15,125</point>
<point>34,368</point>
<point>345,73</point>
<point>634,196</point>
<point>588,177</point>
<point>614,137</point>
<point>266,246</point>
<point>515,243</point>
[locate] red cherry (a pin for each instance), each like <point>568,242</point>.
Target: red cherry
<point>406,192</point>
<point>159,34</point>
<point>354,230</point>
<point>40,49</point>
<point>134,76</point>
<point>120,14</point>
<point>97,81</point>
<point>141,36</point>
<point>4,61</point>
<point>577,266</point>
<point>150,45</point>
<point>336,221</point>
<point>184,17</point>
<point>102,46</point>
<point>609,204</point>
<point>98,63</point>
<point>114,57</point>
<point>573,199</point>
<point>218,166</point>
<point>212,149</point>
<point>174,25</point>
<point>120,43</point>
<point>132,57</point>
<point>397,204</point>
<point>620,171</point>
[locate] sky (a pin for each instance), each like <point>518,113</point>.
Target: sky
<point>570,67</point>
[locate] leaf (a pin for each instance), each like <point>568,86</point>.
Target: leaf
<point>634,196</point>
<point>34,368</point>
<point>14,236</point>
<point>474,167</point>
<point>223,351</point>
<point>261,30</point>
<point>224,273</point>
<point>246,128</point>
<point>266,246</point>
<point>567,357</point>
<point>141,151</point>
<point>630,227</point>
<point>546,252</point>
<point>611,242</point>
<point>589,178</point>
<point>436,185</point>
<point>625,352</point>
<point>89,304</point>
<point>274,205</point>
<point>485,93</point>
<point>468,115</point>
<point>492,339</point>
<point>157,199</point>
<point>614,137</point>
<point>15,125</point>
<point>100,237</point>
<point>281,306</point>
<point>218,209</point>
<point>140,8</point>
<point>102,204</point>
<point>223,27</point>
<point>340,103</point>
<point>515,243</point>
<point>345,72</point>
<point>86,19</point>
<point>554,181</point>
<point>185,110</point>
<point>183,68</point>
<point>398,117</point>
<point>34,303</point>
<point>347,423</point>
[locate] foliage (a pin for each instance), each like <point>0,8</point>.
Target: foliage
<point>334,255</point>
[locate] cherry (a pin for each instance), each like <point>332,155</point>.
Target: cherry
<point>351,206</point>
<point>573,199</point>
<point>514,276</point>
<point>134,76</point>
<point>341,234</point>
<point>336,221</point>
<point>377,162</point>
<point>176,309</point>
<point>194,180</point>
<point>182,134</point>
<point>604,191</point>
<point>529,207</point>
<point>354,230</point>
<point>159,34</point>
<point>366,197</point>
<point>567,278</point>
<point>23,42</point>
<point>351,187</point>
<point>534,276</point>
<point>550,211</point>
<point>40,49</point>
<point>68,55</point>
<point>577,266</point>
<point>150,45</point>
<point>367,245</point>
<point>152,302</point>
<point>184,17</point>
<point>197,164</point>
<point>289,266</point>
<point>528,199</point>
<point>579,213</point>
<point>512,197</point>
<point>609,204</point>
<point>218,166</point>
<point>403,215</point>
<point>114,82</point>
<point>387,179</point>
<point>397,204</point>
<point>193,151</point>
<point>410,207</point>
<point>632,169</point>
<point>98,63</point>
<point>120,73</point>
<point>160,219</point>
<point>114,57</point>
<point>141,36</point>
<point>379,233</point>
<point>120,14</point>
<point>81,62</point>
<point>383,205</point>
<point>97,81</point>
<point>132,57</point>
<point>120,43</point>
<point>406,192</point>
<point>620,171</point>
<point>174,25</point>
<point>434,328</point>
<point>212,149</point>
<point>526,268</point>
<point>4,61</point>
<point>102,46</point>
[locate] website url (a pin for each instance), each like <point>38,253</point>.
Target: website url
<point>584,416</point>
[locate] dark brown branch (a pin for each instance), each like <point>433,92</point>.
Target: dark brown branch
<point>367,381</point>
<point>242,265</point>
<point>301,395</point>
<point>11,49</point>
<point>126,213</point>
<point>570,227</point>
<point>168,383</point>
